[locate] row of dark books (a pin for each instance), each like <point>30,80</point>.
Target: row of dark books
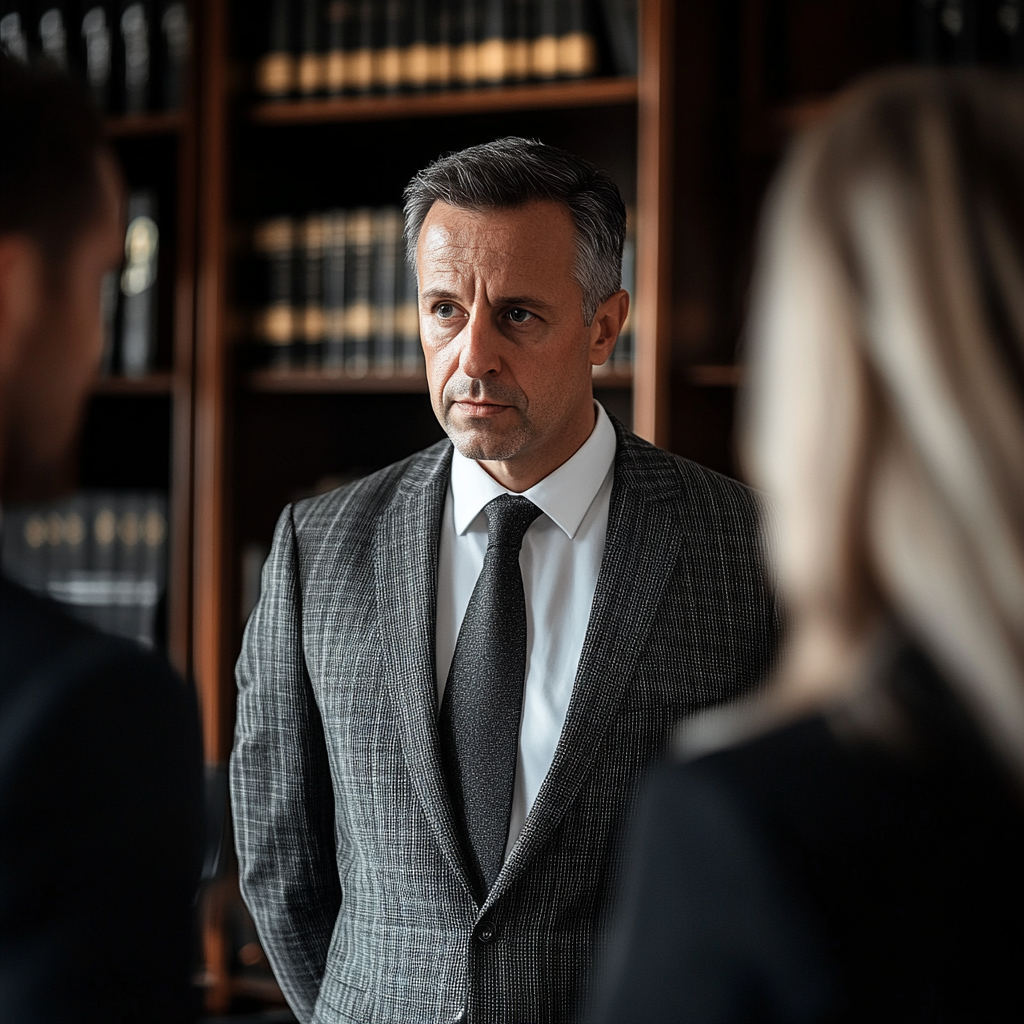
<point>133,54</point>
<point>334,47</point>
<point>129,299</point>
<point>969,32</point>
<point>101,554</point>
<point>336,290</point>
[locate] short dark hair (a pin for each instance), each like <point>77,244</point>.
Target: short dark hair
<point>50,186</point>
<point>510,172</point>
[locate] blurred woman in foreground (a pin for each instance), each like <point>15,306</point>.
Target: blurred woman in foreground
<point>851,847</point>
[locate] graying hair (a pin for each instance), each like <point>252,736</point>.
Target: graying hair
<point>509,172</point>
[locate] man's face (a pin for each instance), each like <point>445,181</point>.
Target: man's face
<point>61,354</point>
<point>508,353</point>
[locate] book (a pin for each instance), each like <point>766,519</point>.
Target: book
<point>175,37</point>
<point>312,326</point>
<point>274,244</point>
<point>395,39</point>
<point>310,67</point>
<point>51,32</point>
<point>334,289</point>
<point>138,285</point>
<point>544,45</point>
<point>620,18</point>
<point>275,71</point>
<point>410,353</point>
<point>102,555</point>
<point>494,52</point>
<point>387,237</point>
<point>577,48</point>
<point>521,37</point>
<point>465,34</point>
<point>134,43</point>
<point>96,51</point>
<point>358,290</point>
<point>342,27</point>
<point>14,28</point>
<point>362,65</point>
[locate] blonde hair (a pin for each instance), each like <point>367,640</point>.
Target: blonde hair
<point>885,409</point>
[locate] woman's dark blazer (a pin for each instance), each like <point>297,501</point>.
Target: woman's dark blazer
<point>864,865</point>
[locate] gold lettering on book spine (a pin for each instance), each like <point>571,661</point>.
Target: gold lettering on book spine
<point>275,74</point>
<point>439,65</point>
<point>361,70</point>
<point>466,71</point>
<point>492,61</point>
<point>390,67</point>
<point>577,55</point>
<point>336,72</point>
<point>311,74</point>
<point>417,66</point>
<point>544,57</point>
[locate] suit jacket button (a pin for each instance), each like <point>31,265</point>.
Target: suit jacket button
<point>487,932</point>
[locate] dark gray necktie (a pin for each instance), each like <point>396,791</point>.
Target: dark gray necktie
<point>483,698</point>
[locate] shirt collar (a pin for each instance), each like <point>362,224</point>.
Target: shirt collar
<point>564,495</point>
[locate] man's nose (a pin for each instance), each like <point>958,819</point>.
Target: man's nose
<point>481,347</point>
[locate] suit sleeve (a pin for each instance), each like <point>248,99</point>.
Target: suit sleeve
<point>281,792</point>
<point>101,818</point>
<point>707,931</point>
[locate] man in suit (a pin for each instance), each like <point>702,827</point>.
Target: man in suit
<point>461,666</point>
<point>100,761</point>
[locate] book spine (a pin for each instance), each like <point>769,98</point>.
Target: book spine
<point>466,40</point>
<point>25,548</point>
<point>416,69</point>
<point>544,47</point>
<point>138,285</point>
<point>361,66</point>
<point>391,58</point>
<point>340,24</point>
<point>51,31</point>
<point>153,565</point>
<point>387,240</point>
<point>14,29</point>
<point>275,71</point>
<point>410,355</point>
<point>623,355</point>
<point>521,39</point>
<point>577,48</point>
<point>620,18</point>
<point>493,55</point>
<point>358,297</point>
<point>103,558</point>
<point>136,47</point>
<point>313,327</point>
<point>175,49</point>
<point>274,242</point>
<point>97,47</point>
<point>440,50</point>
<point>334,289</point>
<point>310,70</point>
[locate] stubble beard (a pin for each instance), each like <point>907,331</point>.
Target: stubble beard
<point>480,441</point>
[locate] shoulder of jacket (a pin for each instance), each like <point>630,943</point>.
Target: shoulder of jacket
<point>368,496</point>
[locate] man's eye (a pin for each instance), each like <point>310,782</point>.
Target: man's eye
<point>520,316</point>
<point>445,310</point>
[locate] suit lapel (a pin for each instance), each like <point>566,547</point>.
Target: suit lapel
<point>406,570</point>
<point>641,550</point>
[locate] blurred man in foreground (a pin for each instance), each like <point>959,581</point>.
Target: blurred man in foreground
<point>100,766</point>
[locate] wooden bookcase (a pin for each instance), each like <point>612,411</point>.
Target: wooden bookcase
<point>138,430</point>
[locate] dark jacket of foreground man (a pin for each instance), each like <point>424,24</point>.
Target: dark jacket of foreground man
<point>100,824</point>
<point>350,861</point>
<point>829,872</point>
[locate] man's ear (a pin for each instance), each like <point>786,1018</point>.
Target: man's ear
<point>605,327</point>
<point>20,293</point>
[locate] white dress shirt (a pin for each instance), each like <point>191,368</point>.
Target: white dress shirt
<point>560,559</point>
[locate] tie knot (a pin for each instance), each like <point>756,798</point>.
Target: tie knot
<point>508,519</point>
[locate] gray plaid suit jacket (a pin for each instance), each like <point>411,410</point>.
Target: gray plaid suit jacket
<point>348,855</point>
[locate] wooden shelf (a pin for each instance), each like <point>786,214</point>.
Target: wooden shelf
<point>593,92</point>
<point>134,126</point>
<point>338,382</point>
<point>151,384</point>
